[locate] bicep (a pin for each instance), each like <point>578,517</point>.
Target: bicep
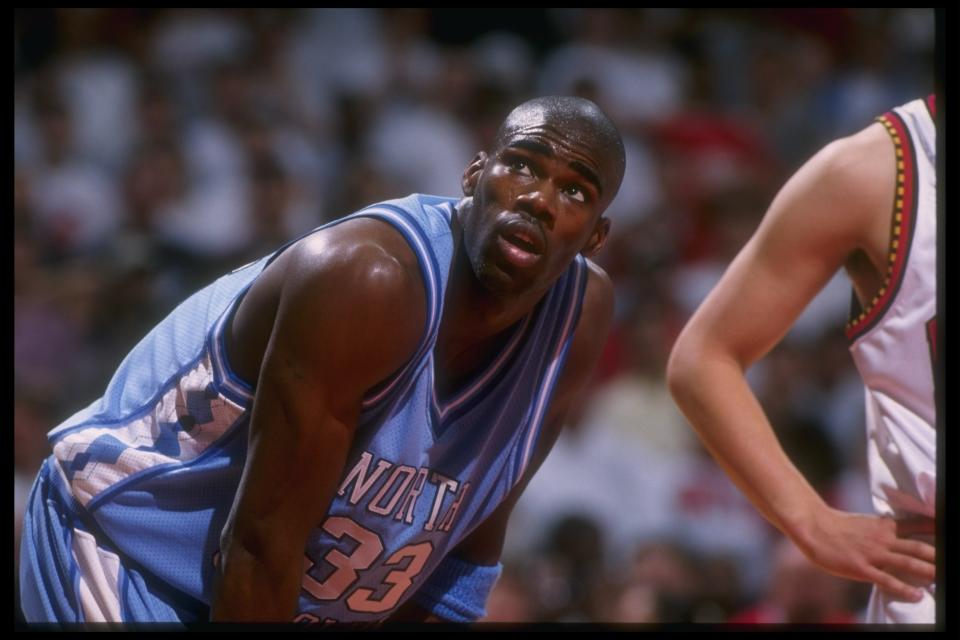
<point>329,344</point>
<point>812,226</point>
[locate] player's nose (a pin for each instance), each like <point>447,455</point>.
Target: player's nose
<point>539,202</point>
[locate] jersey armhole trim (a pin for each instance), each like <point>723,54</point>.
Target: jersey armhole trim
<point>578,286</point>
<point>901,231</point>
<point>225,380</point>
<point>242,392</point>
<point>416,239</point>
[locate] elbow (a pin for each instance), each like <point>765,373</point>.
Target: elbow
<point>681,370</point>
<point>269,546</point>
<point>697,365</point>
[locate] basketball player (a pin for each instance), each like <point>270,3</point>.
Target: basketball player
<point>338,431</point>
<point>867,203</point>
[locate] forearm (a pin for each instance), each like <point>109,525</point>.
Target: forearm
<point>716,399</point>
<point>254,583</point>
<point>284,494</point>
<point>714,396</point>
<point>264,540</point>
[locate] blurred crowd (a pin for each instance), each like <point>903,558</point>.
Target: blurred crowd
<point>155,150</point>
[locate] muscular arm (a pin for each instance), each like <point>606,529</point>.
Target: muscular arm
<point>330,342</point>
<point>825,212</point>
<point>485,544</point>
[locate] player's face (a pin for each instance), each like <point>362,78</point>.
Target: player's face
<point>536,204</point>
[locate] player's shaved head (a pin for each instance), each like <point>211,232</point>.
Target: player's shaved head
<point>580,120</point>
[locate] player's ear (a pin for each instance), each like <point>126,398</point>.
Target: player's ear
<point>471,175</point>
<point>597,239</point>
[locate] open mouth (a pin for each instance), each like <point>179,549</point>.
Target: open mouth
<point>522,240</point>
<point>521,245</point>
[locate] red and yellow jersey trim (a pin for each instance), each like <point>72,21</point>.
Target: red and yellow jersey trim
<point>902,225</point>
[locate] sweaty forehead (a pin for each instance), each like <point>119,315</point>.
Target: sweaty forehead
<point>571,126</point>
<point>577,143</point>
<point>567,126</point>
<point>569,140</point>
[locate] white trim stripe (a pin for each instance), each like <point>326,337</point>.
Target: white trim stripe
<point>219,357</point>
<point>494,368</point>
<point>98,572</point>
<point>447,209</point>
<point>552,372</point>
<point>144,431</point>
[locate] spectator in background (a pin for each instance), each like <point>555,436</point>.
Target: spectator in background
<point>565,577</point>
<point>75,207</point>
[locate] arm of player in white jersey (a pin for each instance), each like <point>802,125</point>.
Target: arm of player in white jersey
<point>834,205</point>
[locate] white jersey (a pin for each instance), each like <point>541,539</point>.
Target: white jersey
<point>894,346</point>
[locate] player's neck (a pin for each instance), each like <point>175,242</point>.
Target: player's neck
<point>474,313</point>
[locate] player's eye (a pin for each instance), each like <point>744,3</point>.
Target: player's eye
<point>576,193</point>
<point>520,166</point>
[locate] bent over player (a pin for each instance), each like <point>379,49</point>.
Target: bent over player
<point>867,203</point>
<point>339,430</point>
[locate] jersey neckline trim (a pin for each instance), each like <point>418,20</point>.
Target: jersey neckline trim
<point>481,380</point>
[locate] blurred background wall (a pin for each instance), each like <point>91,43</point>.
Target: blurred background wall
<point>156,149</point>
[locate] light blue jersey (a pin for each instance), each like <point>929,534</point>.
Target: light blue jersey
<point>125,519</point>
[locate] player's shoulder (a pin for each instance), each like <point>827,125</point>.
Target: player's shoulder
<point>860,159</point>
<point>598,296</point>
<point>843,188</point>
<point>364,256</point>
<point>596,312</point>
<point>386,244</point>
<point>359,279</point>
<point>590,335</point>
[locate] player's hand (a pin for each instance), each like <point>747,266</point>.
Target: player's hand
<point>872,549</point>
